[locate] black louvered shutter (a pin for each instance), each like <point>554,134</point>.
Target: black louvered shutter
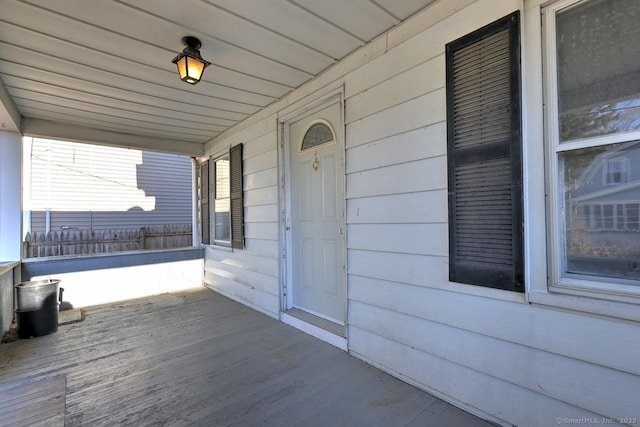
<point>484,157</point>
<point>205,219</point>
<point>237,203</point>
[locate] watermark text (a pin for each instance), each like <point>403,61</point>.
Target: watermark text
<point>596,420</point>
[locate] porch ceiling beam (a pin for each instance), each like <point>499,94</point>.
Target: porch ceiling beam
<point>10,117</point>
<point>69,132</point>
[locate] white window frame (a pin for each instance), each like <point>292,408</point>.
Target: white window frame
<point>621,290</point>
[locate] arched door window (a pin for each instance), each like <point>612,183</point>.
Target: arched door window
<point>318,133</point>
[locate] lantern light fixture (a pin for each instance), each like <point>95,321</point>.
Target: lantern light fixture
<point>190,63</point>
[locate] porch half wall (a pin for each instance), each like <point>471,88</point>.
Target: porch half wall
<point>486,350</point>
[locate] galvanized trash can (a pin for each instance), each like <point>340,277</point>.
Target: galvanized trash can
<point>37,307</point>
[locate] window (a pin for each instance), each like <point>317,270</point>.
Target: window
<point>225,206</point>
<point>318,133</point>
<point>221,205</point>
<point>593,98</point>
<point>484,157</point>
<point>615,171</point>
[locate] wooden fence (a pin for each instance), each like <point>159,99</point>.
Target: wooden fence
<point>78,242</point>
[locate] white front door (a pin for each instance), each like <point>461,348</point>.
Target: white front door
<point>317,214</point>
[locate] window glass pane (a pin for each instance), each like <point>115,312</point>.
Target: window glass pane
<point>317,134</point>
<point>632,216</point>
<point>598,61</point>
<point>615,171</point>
<point>222,178</point>
<point>222,225</point>
<point>222,230</point>
<point>601,218</point>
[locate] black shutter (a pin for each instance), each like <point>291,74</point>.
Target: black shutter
<point>237,203</point>
<point>484,156</point>
<point>205,219</point>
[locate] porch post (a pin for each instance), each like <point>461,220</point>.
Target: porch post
<point>10,196</point>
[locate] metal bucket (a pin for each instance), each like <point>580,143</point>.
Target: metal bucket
<point>37,307</point>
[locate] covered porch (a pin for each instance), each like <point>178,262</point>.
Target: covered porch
<point>345,115</point>
<point>196,357</point>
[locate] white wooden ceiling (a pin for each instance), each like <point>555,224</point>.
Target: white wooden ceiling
<point>106,64</point>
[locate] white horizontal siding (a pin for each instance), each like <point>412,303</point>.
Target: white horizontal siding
<point>485,349</point>
<point>420,175</point>
<point>460,385</point>
<point>400,238</point>
<point>394,267</point>
<point>261,196</point>
<point>570,334</point>
<point>416,113</point>
<point>426,207</point>
<point>545,373</point>
<point>251,275</point>
<point>421,79</point>
<point>422,143</point>
<point>443,22</point>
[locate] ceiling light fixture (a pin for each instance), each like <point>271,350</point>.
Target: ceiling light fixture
<point>190,63</point>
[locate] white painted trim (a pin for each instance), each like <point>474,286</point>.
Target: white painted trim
<point>10,118</point>
<point>533,153</point>
<point>588,305</point>
<point>301,109</point>
<point>196,234</point>
<point>27,146</point>
<point>311,104</point>
<point>55,130</point>
<point>315,331</point>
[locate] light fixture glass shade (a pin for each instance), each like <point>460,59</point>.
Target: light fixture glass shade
<point>190,63</point>
<point>190,69</point>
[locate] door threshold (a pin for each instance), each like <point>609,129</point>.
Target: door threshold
<point>324,330</point>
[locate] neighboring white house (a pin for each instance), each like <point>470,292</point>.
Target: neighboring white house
<point>409,205</point>
<point>94,187</point>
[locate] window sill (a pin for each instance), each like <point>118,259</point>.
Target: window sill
<point>588,305</point>
<point>218,247</point>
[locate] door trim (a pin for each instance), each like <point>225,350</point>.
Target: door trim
<point>285,118</point>
<point>315,331</point>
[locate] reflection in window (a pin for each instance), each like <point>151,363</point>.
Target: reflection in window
<point>616,216</point>
<point>318,133</point>
<point>598,61</point>
<point>615,171</point>
<point>602,233</point>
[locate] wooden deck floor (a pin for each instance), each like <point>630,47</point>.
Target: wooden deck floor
<point>198,358</point>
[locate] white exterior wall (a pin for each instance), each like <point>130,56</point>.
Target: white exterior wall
<point>493,352</point>
<point>251,275</point>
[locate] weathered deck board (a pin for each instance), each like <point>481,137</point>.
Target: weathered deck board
<point>198,358</point>
<point>33,401</point>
